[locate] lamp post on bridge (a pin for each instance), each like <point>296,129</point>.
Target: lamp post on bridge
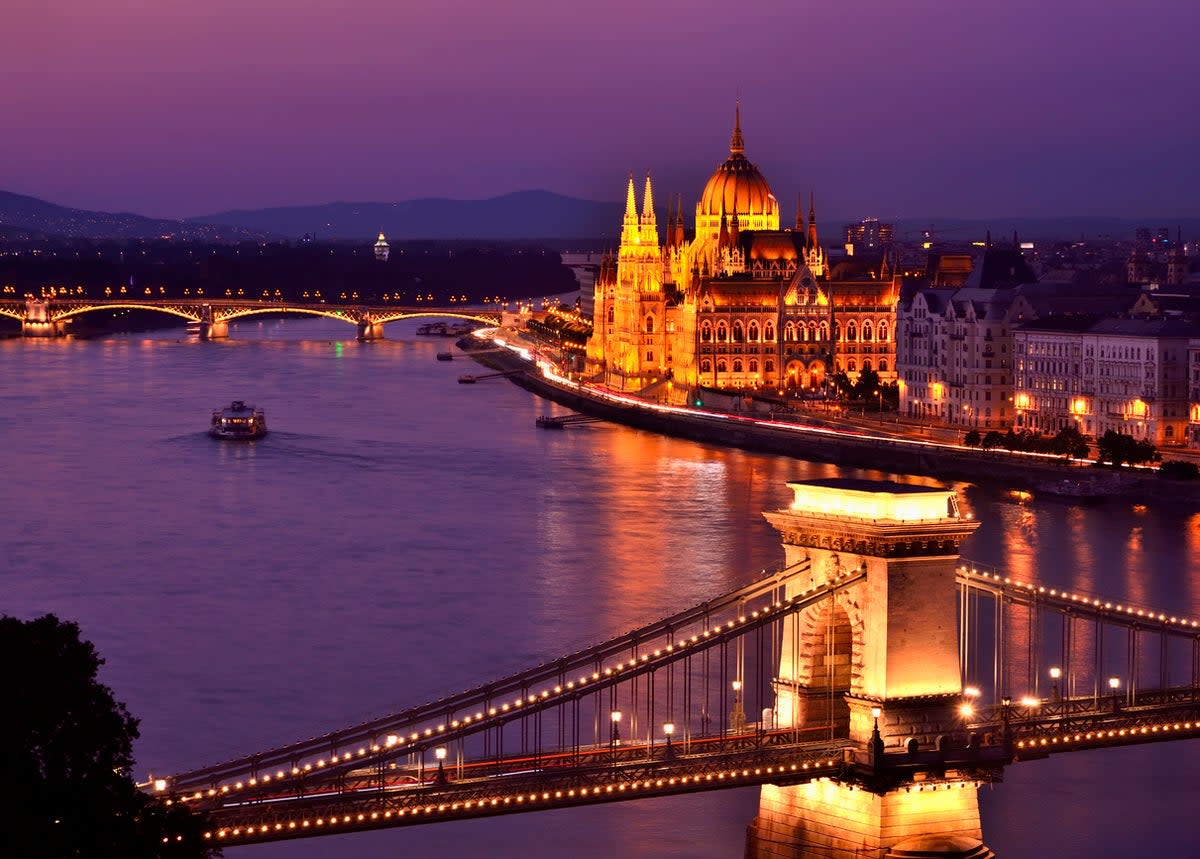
<point>1055,674</point>
<point>669,730</point>
<point>1114,683</point>
<point>737,719</point>
<point>440,754</point>
<point>876,739</point>
<point>614,737</point>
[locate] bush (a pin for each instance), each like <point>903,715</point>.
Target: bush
<point>1178,469</point>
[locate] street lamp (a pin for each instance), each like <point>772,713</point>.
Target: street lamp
<point>614,738</point>
<point>1055,674</point>
<point>669,730</point>
<point>1114,683</point>
<point>737,719</point>
<point>440,754</point>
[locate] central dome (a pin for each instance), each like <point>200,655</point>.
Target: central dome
<point>736,187</point>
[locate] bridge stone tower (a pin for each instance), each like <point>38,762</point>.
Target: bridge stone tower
<point>881,663</point>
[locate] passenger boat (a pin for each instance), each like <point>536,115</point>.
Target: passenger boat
<point>445,356</point>
<point>239,422</point>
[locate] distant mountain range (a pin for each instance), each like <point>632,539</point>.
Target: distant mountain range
<point>28,218</point>
<point>536,215</point>
<point>520,215</point>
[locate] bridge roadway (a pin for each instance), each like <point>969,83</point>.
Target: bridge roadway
<point>46,317</point>
<point>560,751</point>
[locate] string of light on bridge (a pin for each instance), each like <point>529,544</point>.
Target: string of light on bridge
<point>394,743</point>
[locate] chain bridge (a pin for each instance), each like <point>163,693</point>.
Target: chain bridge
<point>50,317</point>
<point>870,686</point>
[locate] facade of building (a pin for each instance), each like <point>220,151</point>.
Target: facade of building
<point>1125,375</point>
<point>742,304</point>
<point>381,248</point>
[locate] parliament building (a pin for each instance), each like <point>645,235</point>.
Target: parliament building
<point>742,304</point>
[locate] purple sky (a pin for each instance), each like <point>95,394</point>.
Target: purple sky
<point>924,107</point>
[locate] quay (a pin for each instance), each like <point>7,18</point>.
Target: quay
<point>523,365</point>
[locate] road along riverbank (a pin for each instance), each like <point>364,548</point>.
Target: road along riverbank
<point>1040,474</point>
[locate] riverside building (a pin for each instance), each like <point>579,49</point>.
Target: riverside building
<point>742,304</point>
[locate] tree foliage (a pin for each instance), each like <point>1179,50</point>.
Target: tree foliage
<point>1119,448</point>
<point>67,753</point>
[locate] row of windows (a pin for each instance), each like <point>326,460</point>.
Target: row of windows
<point>769,366</point>
<point>792,332</point>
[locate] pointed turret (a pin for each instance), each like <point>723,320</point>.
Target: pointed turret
<point>737,146</point>
<point>679,224</point>
<point>648,203</point>
<point>670,224</point>
<point>630,204</point>
<point>800,228</point>
<point>812,220</point>
<point>723,236</point>
<point>734,230</point>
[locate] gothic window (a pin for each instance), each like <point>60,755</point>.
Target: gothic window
<point>610,316</point>
<point>851,331</point>
<point>812,332</point>
<point>789,332</point>
<point>722,367</point>
<point>650,323</point>
<point>837,332</point>
<point>866,364</point>
<point>769,332</point>
<point>770,366</point>
<point>722,332</point>
<point>706,332</point>
<point>649,356</point>
<point>824,332</point>
<point>753,365</point>
<point>737,365</point>
<point>883,365</point>
<point>851,365</point>
<point>706,366</point>
<point>752,332</point>
<point>867,331</point>
<point>883,332</point>
<point>739,332</point>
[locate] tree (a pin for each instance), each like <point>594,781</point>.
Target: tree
<point>1118,448</point>
<point>993,440</point>
<point>1070,442</point>
<point>971,439</point>
<point>67,753</point>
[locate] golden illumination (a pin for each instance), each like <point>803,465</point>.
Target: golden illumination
<point>918,504</point>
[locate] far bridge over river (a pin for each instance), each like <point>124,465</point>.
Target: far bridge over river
<point>50,317</point>
<point>870,686</point>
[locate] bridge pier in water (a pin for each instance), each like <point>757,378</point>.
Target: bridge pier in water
<point>879,663</point>
<point>368,329</point>
<point>38,321</point>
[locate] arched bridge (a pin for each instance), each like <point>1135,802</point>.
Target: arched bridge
<point>875,678</point>
<point>49,317</point>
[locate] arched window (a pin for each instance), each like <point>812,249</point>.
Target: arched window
<point>610,316</point>
<point>789,332</point>
<point>770,366</point>
<point>753,365</point>
<point>706,366</point>
<point>739,332</point>
<point>883,332</point>
<point>866,364</point>
<point>812,332</point>
<point>851,365</point>
<point>769,332</point>
<point>706,332</point>
<point>722,332</point>
<point>722,367</point>
<point>737,365</point>
<point>851,331</point>
<point>649,323</point>
<point>867,331</point>
<point>824,332</point>
<point>752,332</point>
<point>883,365</point>
<point>837,331</point>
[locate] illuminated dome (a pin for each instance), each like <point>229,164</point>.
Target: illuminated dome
<point>736,187</point>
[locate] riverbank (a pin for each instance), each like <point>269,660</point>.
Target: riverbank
<point>1041,475</point>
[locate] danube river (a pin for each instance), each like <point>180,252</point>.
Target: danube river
<point>399,536</point>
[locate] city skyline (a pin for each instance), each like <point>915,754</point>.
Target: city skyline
<point>958,111</point>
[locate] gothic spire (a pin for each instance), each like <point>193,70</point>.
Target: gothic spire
<point>630,203</point>
<point>812,220</point>
<point>648,202</point>
<point>737,145</point>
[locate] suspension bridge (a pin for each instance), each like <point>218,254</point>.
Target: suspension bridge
<point>870,686</point>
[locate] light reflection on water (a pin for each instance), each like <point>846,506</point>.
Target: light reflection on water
<point>398,537</point>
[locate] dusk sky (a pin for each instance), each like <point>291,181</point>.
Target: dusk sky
<point>931,107</point>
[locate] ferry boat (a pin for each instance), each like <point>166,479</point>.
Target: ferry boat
<point>445,356</point>
<point>239,421</point>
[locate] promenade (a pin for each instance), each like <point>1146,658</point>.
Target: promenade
<point>892,445</point>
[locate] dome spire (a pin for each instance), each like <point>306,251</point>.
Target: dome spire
<point>737,145</point>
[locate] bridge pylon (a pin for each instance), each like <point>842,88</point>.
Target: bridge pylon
<point>369,329</point>
<point>38,322</point>
<point>881,662</point>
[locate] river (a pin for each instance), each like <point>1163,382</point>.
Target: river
<point>398,536</point>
